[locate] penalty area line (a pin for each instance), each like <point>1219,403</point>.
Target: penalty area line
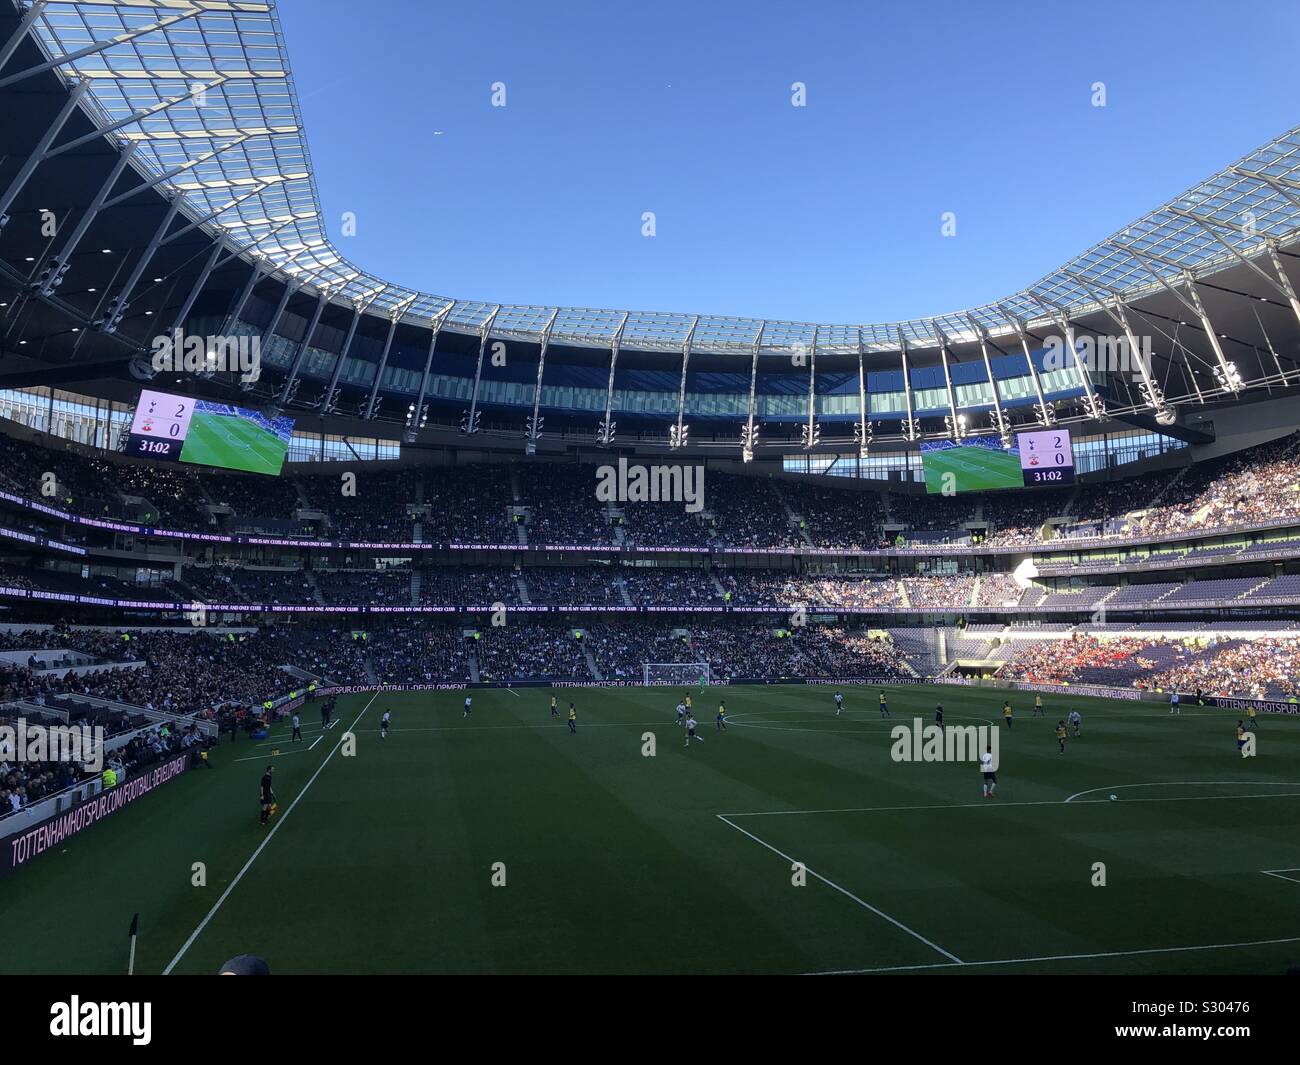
<point>261,847</point>
<point>952,958</point>
<point>1059,957</point>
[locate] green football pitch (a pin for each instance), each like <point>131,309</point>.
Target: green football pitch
<point>974,469</point>
<point>232,443</point>
<point>608,860</point>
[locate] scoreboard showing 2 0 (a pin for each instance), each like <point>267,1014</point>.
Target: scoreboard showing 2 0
<point>1046,458</point>
<point>160,425</point>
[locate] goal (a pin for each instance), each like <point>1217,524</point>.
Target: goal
<point>679,674</point>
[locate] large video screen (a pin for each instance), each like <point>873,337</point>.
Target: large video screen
<point>173,428</point>
<point>983,464</point>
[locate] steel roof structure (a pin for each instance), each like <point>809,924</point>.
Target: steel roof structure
<point>197,98</point>
<point>206,85</point>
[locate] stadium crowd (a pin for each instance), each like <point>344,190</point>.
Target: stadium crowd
<point>557,504</point>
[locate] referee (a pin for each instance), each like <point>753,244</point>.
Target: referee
<point>268,794</point>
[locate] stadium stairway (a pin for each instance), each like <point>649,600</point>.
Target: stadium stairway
<point>315,588</point>
<point>1256,587</point>
<point>594,669</point>
<point>975,591</point>
<point>621,584</point>
<point>186,589</point>
<point>886,509</point>
<point>1166,488</point>
<point>1099,607</point>
<point>795,521</point>
<point>524,598</point>
<point>902,594</point>
<point>1068,510</point>
<point>416,584</point>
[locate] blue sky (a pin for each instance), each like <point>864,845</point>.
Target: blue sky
<point>829,212</point>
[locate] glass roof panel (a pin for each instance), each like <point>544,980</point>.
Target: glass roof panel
<point>215,80</point>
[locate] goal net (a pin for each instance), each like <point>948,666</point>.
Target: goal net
<point>680,674</point>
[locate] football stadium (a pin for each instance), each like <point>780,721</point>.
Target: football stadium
<point>349,628</point>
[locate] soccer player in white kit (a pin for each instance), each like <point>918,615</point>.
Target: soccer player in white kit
<point>1173,704</point>
<point>468,701</point>
<point>839,703</point>
<point>990,777</point>
<point>383,724</point>
<point>690,731</point>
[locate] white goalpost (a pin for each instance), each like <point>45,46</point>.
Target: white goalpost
<point>678,674</point>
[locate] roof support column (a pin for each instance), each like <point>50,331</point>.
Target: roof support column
<point>33,13</point>
<point>396,316</point>
<point>605,431</point>
<point>41,152</point>
<point>1283,281</point>
<point>292,377</point>
<point>369,412</point>
<point>677,433</point>
<point>259,271</point>
<point>1046,414</point>
<point>862,428</point>
<point>811,434</point>
<point>115,310</point>
<point>1001,424</point>
<point>1137,355</point>
<point>1191,302</point>
<point>534,430</point>
<point>141,367</point>
<point>909,423</point>
<point>202,280</point>
<point>327,399</point>
<point>1226,372</point>
<point>956,422</point>
<point>418,410</point>
<point>470,423</point>
<point>1096,408</point>
<point>290,289</point>
<point>58,266</point>
<point>749,431</point>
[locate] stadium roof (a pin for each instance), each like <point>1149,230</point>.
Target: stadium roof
<point>203,91</point>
